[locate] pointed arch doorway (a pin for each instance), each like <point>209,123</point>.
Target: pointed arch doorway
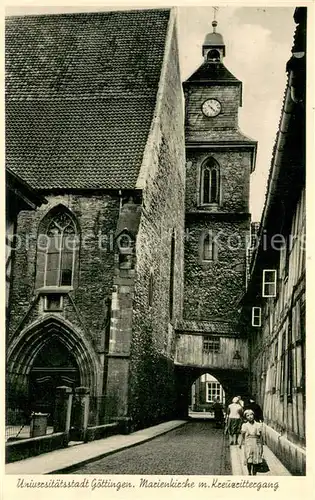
<point>53,366</point>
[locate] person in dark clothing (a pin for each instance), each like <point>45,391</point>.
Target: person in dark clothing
<point>258,413</point>
<point>218,413</point>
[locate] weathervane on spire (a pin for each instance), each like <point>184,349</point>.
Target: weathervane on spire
<point>214,22</point>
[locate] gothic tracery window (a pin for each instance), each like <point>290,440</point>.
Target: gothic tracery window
<point>210,182</point>
<point>56,251</point>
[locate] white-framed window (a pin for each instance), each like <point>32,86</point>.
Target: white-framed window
<point>269,283</point>
<point>256,316</point>
<point>211,344</point>
<point>214,390</point>
<point>210,182</point>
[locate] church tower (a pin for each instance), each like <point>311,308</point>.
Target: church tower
<point>219,161</point>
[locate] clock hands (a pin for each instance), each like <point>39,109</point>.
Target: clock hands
<point>211,107</point>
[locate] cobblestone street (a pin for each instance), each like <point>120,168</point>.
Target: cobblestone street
<point>196,448</point>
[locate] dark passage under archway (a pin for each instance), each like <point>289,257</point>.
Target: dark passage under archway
<point>233,382</point>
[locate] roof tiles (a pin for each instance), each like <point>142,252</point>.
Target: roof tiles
<point>81,91</point>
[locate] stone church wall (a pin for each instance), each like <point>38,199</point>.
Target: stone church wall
<point>228,118</point>
<point>213,288</point>
<point>152,396</point>
<point>234,179</point>
<point>84,307</point>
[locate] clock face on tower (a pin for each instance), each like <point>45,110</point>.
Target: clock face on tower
<point>211,107</point>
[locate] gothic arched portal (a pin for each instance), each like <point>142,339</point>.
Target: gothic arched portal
<point>53,366</point>
<point>47,354</point>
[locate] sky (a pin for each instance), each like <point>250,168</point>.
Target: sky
<point>258,44</point>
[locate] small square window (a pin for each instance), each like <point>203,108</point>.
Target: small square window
<point>256,316</point>
<point>53,302</point>
<point>211,344</point>
<point>269,285</point>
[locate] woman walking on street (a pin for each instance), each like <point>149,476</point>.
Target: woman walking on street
<point>234,420</point>
<point>252,440</point>
<point>218,413</point>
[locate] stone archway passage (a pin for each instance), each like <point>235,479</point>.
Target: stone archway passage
<point>28,351</point>
<point>234,382</point>
<point>205,390</point>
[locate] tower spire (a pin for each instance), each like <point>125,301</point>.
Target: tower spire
<point>213,49</point>
<point>215,22</point>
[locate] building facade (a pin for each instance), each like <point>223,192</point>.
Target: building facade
<point>219,161</point>
<point>275,298</point>
<point>97,282</point>
<point>133,281</point>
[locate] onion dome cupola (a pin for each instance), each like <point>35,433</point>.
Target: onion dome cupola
<point>213,49</point>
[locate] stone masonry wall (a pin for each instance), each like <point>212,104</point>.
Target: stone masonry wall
<point>95,214</point>
<point>227,119</point>
<point>152,395</point>
<point>234,179</point>
<point>212,288</point>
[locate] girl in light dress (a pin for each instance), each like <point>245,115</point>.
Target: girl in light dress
<point>251,437</point>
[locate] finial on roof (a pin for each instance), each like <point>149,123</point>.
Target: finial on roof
<point>214,22</point>
<point>213,49</point>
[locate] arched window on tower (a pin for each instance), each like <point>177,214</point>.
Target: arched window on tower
<point>213,56</point>
<point>57,244</point>
<point>210,182</point>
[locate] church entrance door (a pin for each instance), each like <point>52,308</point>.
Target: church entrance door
<point>53,366</point>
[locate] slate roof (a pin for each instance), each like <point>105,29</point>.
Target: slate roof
<point>80,96</point>
<point>209,72</point>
